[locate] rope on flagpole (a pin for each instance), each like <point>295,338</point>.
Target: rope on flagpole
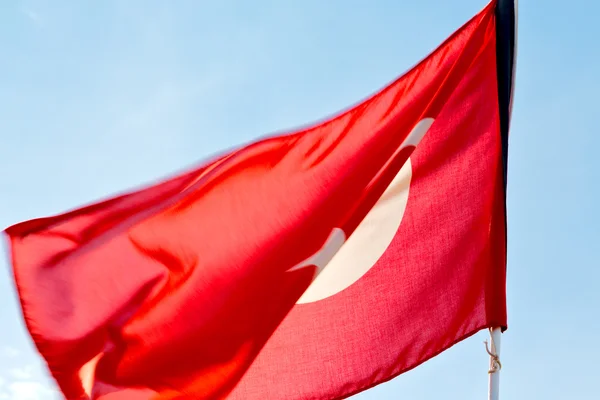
<point>495,364</point>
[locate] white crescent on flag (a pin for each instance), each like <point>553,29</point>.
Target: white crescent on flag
<point>352,259</point>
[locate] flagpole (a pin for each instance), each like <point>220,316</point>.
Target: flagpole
<point>506,36</point>
<point>495,365</point>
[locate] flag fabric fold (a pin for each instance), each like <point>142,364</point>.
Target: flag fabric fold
<point>309,265</point>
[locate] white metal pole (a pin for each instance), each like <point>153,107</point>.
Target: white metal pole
<point>495,366</point>
<point>496,333</point>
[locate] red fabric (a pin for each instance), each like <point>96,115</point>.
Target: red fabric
<point>176,290</point>
<point>441,280</point>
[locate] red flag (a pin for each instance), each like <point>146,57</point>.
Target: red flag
<point>179,290</point>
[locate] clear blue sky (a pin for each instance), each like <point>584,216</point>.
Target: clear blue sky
<point>97,97</point>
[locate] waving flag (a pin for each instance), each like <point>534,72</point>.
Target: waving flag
<point>310,265</point>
